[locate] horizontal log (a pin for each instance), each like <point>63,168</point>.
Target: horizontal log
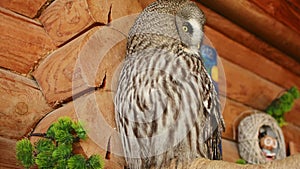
<point>246,87</point>
<point>23,42</point>
<point>88,62</point>
<point>28,8</point>
<point>287,12</point>
<point>63,20</point>
<point>249,89</point>
<point>294,148</point>
<point>243,37</point>
<point>8,154</point>
<point>240,35</point>
<point>22,105</point>
<point>256,21</point>
<point>252,61</point>
<point>89,109</point>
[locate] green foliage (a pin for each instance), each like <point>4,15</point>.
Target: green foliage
<point>62,151</point>
<point>44,145</point>
<point>24,152</point>
<point>45,160</point>
<point>283,104</point>
<point>95,162</point>
<point>77,162</point>
<point>79,130</point>
<point>55,150</point>
<point>241,161</point>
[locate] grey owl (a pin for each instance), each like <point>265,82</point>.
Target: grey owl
<point>166,105</point>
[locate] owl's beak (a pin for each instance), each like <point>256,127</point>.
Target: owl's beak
<point>198,46</point>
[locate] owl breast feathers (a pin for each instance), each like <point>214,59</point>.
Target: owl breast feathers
<point>166,106</point>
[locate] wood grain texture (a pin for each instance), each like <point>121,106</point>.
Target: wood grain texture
<point>251,60</point>
<point>293,115</point>
<point>245,38</point>
<point>291,134</point>
<point>230,151</point>
<point>96,105</point>
<point>294,148</point>
<point>287,12</point>
<point>254,91</point>
<point>23,42</point>
<point>246,87</point>
<point>256,21</point>
<point>22,105</point>
<point>64,19</point>
<point>8,154</point>
<point>111,10</point>
<point>28,8</point>
<point>82,64</point>
<point>234,112</point>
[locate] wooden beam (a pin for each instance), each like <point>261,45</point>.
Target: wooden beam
<point>63,20</point>
<point>256,21</point>
<point>22,105</point>
<point>291,134</point>
<point>287,12</point>
<point>88,62</point>
<point>23,42</point>
<point>294,148</point>
<point>28,8</point>
<point>243,37</point>
<point>8,154</point>
<point>240,35</point>
<point>248,88</point>
<point>89,109</point>
<point>293,115</point>
<point>230,151</point>
<point>251,60</point>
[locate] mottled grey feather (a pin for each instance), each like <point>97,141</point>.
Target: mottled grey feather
<point>166,105</point>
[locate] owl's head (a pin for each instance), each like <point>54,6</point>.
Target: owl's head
<point>180,20</point>
<point>189,23</point>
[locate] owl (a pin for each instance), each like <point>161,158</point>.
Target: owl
<point>166,107</point>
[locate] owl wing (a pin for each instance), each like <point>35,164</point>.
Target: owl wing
<point>166,101</point>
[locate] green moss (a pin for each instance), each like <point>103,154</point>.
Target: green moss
<point>283,104</point>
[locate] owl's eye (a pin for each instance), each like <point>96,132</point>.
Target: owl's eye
<point>187,27</point>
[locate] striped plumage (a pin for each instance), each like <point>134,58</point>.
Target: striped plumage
<point>166,105</point>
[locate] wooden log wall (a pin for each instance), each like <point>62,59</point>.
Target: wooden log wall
<point>56,54</point>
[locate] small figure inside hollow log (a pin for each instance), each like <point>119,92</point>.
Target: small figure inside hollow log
<point>268,143</point>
